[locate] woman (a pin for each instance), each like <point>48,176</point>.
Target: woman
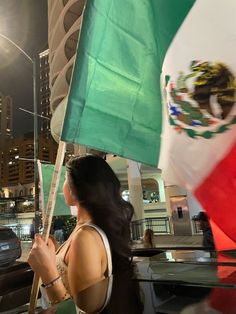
<point>84,259</point>
<point>148,241</point>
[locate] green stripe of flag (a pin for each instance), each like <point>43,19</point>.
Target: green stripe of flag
<point>115,101</point>
<point>61,209</point>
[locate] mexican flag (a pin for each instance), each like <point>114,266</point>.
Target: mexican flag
<point>198,148</point>
<point>154,81</point>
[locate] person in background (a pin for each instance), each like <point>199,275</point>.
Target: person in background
<point>58,231</point>
<point>32,229</point>
<point>148,238</point>
<point>99,244</point>
<point>203,223</point>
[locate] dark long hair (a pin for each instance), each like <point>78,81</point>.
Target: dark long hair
<point>97,188</point>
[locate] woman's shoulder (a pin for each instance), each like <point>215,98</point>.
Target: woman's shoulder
<point>86,236</point>
<point>86,244</point>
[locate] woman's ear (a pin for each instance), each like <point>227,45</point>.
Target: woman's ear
<point>73,200</point>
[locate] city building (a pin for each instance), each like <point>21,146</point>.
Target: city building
<point>6,112</point>
<point>18,155</point>
<point>64,21</point>
<point>168,209</point>
<point>6,129</point>
<point>44,93</point>
<point>17,186</point>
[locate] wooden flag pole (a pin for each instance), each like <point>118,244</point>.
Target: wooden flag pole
<point>48,218</point>
<point>41,192</point>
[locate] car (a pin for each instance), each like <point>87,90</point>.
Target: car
<point>10,246</point>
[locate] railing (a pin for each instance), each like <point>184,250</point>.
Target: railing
<point>196,227</point>
<point>157,225</point>
<point>160,225</point>
<point>8,215</point>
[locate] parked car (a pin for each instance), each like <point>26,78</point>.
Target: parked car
<point>10,246</point>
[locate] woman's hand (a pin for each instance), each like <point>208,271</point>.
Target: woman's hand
<point>42,259</point>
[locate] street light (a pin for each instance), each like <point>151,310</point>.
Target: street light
<point>36,175</point>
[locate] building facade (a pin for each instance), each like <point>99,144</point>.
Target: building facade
<point>6,112</point>
<point>17,186</point>
<point>6,127</point>
<point>18,155</point>
<point>44,93</point>
<point>64,21</point>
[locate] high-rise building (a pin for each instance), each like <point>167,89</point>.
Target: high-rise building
<point>6,129</point>
<point>18,158</point>
<point>44,92</point>
<point>17,155</point>
<point>6,113</point>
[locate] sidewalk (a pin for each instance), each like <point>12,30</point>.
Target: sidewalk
<point>178,241</point>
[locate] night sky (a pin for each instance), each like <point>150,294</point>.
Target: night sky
<point>25,23</point>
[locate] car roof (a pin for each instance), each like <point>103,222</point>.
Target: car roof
<point>4,227</point>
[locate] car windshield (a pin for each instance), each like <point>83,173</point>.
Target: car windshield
<point>6,235</point>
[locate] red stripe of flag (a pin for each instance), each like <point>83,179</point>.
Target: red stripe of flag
<point>217,195</point>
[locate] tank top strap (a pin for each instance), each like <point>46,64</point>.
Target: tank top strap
<point>106,244</point>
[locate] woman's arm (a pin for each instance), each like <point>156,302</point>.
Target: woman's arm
<point>86,260</point>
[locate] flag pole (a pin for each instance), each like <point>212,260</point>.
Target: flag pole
<point>41,193</point>
<point>48,218</point>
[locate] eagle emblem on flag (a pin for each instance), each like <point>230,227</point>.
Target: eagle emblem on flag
<point>202,103</point>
